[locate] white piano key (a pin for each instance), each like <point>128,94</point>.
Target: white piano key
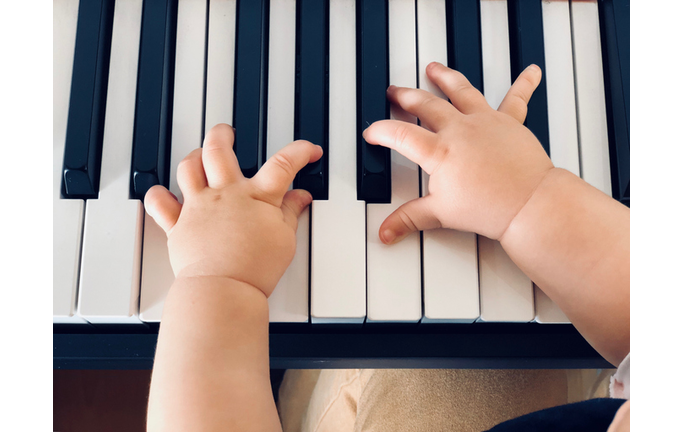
<point>394,272</point>
<point>450,277</point>
<point>112,237</point>
<point>289,301</point>
<point>559,75</point>
<point>186,135</point>
<point>432,40</point>
<point>110,276</point>
<point>156,274</point>
<point>547,311</point>
<point>562,122</point>
<point>495,50</point>
<point>67,224</point>
<point>590,95</point>
<point>220,64</point>
<point>506,293</point>
<point>451,286</point>
<point>338,224</point>
<point>67,216</point>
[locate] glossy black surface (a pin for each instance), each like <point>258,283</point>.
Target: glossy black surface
<point>526,47</point>
<point>251,75</point>
<point>154,97</point>
<point>463,22</point>
<point>303,346</point>
<point>311,92</point>
<point>372,52</point>
<point>614,35</point>
<point>87,103</point>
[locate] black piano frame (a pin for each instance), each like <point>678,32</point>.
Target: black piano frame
<point>307,346</point>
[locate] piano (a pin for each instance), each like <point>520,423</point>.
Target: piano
<point>137,83</point>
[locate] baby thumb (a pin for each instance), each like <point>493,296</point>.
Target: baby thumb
<point>415,215</point>
<point>163,206</point>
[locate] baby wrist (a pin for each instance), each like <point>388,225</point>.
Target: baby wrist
<point>547,190</point>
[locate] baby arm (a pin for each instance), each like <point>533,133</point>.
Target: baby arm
<point>229,244</point>
<point>490,175</point>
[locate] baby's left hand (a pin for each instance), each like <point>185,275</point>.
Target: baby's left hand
<point>230,226</point>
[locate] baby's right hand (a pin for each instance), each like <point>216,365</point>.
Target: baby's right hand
<point>484,165</point>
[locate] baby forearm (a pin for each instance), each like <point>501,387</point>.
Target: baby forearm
<point>211,370</point>
<point>574,243</point>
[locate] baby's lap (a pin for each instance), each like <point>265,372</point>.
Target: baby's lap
<point>419,399</point>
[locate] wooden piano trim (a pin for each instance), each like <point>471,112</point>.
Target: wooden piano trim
<point>304,346</point>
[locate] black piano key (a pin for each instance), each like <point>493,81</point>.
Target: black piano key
<point>374,162</point>
<point>614,34</point>
<point>311,90</point>
<point>622,13</point>
<point>251,73</point>
<point>154,98</point>
<point>464,40</point>
<point>526,47</point>
<point>85,122</point>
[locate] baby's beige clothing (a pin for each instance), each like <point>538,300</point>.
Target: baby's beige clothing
<point>394,400</point>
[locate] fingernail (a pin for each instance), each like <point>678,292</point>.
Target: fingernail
<point>389,236</point>
<point>391,88</point>
<point>535,68</point>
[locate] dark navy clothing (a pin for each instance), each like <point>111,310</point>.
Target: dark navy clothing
<point>594,415</point>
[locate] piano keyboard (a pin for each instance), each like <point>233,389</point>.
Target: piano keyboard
<point>137,83</point>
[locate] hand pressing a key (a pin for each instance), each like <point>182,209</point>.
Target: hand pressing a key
<point>228,225</point>
<point>490,175</point>
<point>229,243</point>
<point>483,164</point>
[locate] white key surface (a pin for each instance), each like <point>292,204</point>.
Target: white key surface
<point>495,50</point>
<point>394,273</point>
<point>547,311</point>
<point>156,274</point>
<point>590,95</point>
<point>67,217</point>
<point>562,124</point>
<point>188,97</point>
<point>338,224</point>
<point>220,64</point>
<point>506,293</point>
<point>559,75</point>
<point>112,237</point>
<point>289,300</point>
<point>450,275</point>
